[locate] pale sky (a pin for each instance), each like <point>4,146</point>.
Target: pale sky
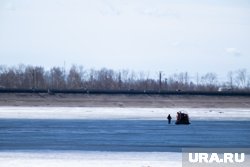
<point>142,35</point>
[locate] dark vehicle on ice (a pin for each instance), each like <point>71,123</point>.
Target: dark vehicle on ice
<point>182,118</point>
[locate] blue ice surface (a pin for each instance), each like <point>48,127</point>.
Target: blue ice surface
<point>120,135</point>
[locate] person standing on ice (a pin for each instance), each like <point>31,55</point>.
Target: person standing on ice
<point>169,119</point>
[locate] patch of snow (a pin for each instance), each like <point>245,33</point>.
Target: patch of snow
<point>90,159</point>
<point>122,113</point>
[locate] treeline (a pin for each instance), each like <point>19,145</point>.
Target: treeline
<point>77,77</point>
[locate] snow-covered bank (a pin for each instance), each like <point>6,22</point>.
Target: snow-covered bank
<point>121,113</point>
<point>90,159</point>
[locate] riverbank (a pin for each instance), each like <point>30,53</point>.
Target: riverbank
<point>140,101</point>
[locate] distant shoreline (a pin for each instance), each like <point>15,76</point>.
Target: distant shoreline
<point>122,100</point>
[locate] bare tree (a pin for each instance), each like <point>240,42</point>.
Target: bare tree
<point>241,78</point>
<point>39,78</point>
<point>209,80</point>
<point>35,77</point>
<point>8,78</point>
<point>248,82</point>
<point>75,77</point>
<point>106,79</point>
<point>56,78</point>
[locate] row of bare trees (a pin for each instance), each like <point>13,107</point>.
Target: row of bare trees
<point>77,77</point>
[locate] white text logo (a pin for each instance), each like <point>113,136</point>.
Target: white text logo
<point>215,158</point>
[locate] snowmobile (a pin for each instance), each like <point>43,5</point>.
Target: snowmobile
<point>182,118</point>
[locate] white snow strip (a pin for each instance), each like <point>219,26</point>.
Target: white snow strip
<point>122,113</point>
<point>90,159</point>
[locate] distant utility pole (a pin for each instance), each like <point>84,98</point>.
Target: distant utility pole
<point>160,76</point>
<point>166,83</point>
<point>34,78</point>
<point>120,81</point>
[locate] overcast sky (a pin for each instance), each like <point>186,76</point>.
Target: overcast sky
<point>142,35</point>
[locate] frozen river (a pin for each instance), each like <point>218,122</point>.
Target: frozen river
<point>120,135</point>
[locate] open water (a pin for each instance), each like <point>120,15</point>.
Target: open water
<point>120,135</point>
